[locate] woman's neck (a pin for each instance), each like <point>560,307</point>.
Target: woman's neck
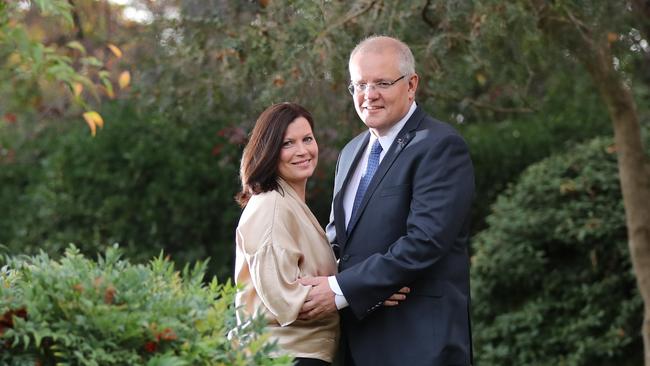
<point>300,187</point>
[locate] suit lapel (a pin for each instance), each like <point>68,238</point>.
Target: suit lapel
<point>401,141</point>
<point>349,162</point>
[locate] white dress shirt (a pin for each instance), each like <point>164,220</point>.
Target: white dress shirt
<point>351,190</point>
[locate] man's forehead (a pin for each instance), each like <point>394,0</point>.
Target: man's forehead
<point>380,45</point>
<point>375,52</point>
<point>373,67</point>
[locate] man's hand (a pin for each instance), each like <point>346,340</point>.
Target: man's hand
<point>397,297</point>
<point>320,300</point>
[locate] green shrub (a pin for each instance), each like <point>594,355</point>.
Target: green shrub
<point>143,183</point>
<point>79,312</point>
<point>501,151</point>
<point>552,282</point>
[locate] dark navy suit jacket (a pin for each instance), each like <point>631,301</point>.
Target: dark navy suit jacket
<point>411,230</point>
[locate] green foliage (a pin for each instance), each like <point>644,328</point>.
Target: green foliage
<point>31,70</point>
<point>79,312</point>
<point>235,59</point>
<point>491,59</point>
<point>552,281</point>
<point>501,151</point>
<point>143,183</point>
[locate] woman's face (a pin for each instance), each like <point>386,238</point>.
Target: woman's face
<point>298,153</point>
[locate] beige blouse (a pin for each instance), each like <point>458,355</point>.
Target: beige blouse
<point>278,241</point>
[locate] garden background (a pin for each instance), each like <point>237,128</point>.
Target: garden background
<point>122,122</point>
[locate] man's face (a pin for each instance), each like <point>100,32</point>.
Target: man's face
<point>380,109</point>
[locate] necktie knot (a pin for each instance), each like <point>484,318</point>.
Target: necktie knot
<point>376,148</point>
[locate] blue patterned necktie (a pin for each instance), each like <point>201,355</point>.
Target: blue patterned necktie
<point>371,168</point>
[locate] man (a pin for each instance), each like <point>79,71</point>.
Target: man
<point>402,196</point>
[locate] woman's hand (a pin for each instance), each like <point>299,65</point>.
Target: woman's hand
<point>397,297</point>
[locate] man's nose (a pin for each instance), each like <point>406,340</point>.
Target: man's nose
<point>371,92</point>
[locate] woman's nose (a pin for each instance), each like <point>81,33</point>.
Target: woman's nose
<point>301,149</point>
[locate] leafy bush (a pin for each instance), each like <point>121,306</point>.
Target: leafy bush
<point>79,312</point>
<point>551,278</point>
<point>145,184</point>
<point>501,151</point>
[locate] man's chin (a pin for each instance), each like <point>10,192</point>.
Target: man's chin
<point>368,119</point>
<point>372,122</point>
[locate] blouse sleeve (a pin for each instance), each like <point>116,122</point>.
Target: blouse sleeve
<point>273,257</point>
<point>274,272</point>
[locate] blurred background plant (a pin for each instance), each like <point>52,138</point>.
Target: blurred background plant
<point>560,232</point>
<point>51,66</point>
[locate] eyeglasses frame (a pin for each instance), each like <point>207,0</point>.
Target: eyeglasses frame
<point>382,85</point>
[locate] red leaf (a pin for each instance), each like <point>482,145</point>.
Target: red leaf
<point>151,346</point>
<point>10,117</point>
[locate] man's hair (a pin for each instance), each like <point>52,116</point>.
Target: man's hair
<point>259,163</point>
<point>379,43</point>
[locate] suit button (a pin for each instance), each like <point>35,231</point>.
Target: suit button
<point>345,257</point>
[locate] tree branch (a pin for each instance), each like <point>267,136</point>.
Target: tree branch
<point>425,17</point>
<point>582,29</point>
<point>641,9</point>
<point>76,20</point>
<point>346,19</point>
<point>494,108</point>
<point>480,105</point>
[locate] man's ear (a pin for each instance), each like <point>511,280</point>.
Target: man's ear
<point>413,84</point>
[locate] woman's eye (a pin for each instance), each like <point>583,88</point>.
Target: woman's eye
<point>286,144</point>
<point>308,139</point>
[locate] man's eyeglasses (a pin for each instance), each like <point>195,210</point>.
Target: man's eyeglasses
<point>357,88</point>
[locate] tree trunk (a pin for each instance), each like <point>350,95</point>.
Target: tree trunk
<point>634,171</point>
<point>633,163</point>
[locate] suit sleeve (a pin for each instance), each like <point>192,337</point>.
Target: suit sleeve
<point>442,192</point>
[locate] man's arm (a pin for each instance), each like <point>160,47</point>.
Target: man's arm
<point>320,301</point>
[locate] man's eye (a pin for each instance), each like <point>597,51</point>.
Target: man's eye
<point>383,84</point>
<point>361,86</point>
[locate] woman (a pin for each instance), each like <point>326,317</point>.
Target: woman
<point>278,238</point>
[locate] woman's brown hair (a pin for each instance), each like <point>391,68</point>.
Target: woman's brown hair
<point>259,163</point>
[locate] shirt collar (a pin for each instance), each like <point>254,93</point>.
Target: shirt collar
<point>387,140</point>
